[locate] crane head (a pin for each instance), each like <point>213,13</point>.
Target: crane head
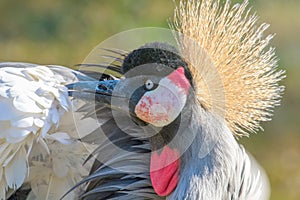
<point>163,83</point>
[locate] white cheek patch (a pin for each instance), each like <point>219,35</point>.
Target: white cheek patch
<point>163,105</point>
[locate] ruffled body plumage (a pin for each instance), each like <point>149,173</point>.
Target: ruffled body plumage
<point>33,100</point>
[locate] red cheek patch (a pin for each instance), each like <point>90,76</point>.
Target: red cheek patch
<point>179,79</point>
<point>164,170</point>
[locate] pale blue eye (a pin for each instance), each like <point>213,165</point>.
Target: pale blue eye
<point>149,84</point>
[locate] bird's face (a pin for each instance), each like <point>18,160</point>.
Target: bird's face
<point>159,101</point>
<point>163,87</point>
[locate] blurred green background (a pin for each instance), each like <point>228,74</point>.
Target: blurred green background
<point>64,32</point>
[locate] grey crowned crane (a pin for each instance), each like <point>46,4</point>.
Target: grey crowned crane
<point>167,118</point>
<point>169,124</point>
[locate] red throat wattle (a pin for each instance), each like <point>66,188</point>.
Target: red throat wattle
<point>164,170</point>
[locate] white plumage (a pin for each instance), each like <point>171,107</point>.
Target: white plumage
<point>32,148</point>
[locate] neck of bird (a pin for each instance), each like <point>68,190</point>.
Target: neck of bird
<point>206,146</point>
<point>196,133</point>
<point>212,139</point>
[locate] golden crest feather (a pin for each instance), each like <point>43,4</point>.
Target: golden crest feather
<point>235,74</point>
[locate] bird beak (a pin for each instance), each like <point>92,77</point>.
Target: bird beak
<point>93,90</point>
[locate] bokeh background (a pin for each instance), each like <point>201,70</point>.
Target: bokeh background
<point>64,32</point>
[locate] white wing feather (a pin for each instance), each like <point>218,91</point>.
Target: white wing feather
<point>52,175</point>
<point>33,99</point>
<point>16,169</point>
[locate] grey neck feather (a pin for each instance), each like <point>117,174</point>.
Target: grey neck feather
<point>215,166</point>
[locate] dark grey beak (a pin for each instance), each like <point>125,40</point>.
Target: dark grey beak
<point>92,90</point>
